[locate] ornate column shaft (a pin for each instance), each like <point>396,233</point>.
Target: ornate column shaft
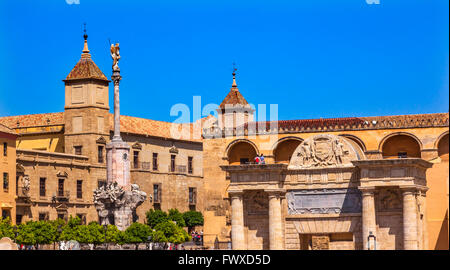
<point>409,219</point>
<point>116,79</point>
<point>368,215</point>
<point>275,220</point>
<point>237,220</point>
<point>424,219</point>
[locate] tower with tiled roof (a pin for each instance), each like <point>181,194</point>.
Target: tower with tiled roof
<point>86,110</point>
<point>234,111</point>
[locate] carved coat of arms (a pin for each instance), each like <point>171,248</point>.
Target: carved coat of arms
<point>321,151</point>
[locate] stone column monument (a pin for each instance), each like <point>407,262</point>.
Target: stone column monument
<point>117,201</point>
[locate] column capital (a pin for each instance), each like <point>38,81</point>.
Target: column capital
<point>235,193</point>
<point>409,189</point>
<point>367,190</point>
<point>275,192</point>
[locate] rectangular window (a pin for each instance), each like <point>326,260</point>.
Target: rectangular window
<point>190,167</point>
<point>101,183</point>
<point>42,187</point>
<point>100,154</point>
<point>61,187</point>
<point>5,181</point>
<point>6,213</point>
<point>156,193</point>
<point>19,219</point>
<point>82,218</point>
<point>78,149</point>
<point>136,159</point>
<point>43,216</point>
<point>79,189</point>
<point>5,149</point>
<point>192,195</point>
<point>172,163</point>
<point>61,216</point>
<point>155,161</point>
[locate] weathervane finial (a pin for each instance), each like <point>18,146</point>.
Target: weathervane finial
<point>85,49</point>
<point>234,85</point>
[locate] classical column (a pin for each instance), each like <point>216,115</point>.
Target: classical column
<point>424,218</point>
<point>275,221</point>
<point>409,219</point>
<point>237,220</point>
<point>368,215</point>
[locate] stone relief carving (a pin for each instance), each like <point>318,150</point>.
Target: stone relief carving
<point>25,184</point>
<point>322,150</point>
<point>257,203</point>
<point>389,200</point>
<point>112,201</point>
<point>324,201</point>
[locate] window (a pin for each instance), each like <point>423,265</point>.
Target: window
<point>82,218</point>
<point>5,149</point>
<point>402,155</point>
<point>79,189</point>
<point>190,168</point>
<point>5,181</point>
<point>42,187</point>
<point>6,213</point>
<point>136,159</point>
<point>61,187</point>
<point>101,183</point>
<point>61,216</point>
<point>192,195</point>
<point>43,216</point>
<point>17,185</point>
<point>156,193</point>
<point>100,154</point>
<point>19,219</point>
<point>155,161</point>
<point>78,149</point>
<point>172,163</point>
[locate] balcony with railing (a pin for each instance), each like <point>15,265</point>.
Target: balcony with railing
<point>146,166</point>
<point>61,195</point>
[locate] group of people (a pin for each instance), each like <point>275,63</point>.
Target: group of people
<point>197,237</point>
<point>260,159</point>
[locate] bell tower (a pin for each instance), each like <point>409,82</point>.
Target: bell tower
<point>86,110</point>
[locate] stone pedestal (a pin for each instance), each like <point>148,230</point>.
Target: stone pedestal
<point>368,216</point>
<point>275,220</point>
<point>409,219</point>
<point>237,221</point>
<point>118,163</point>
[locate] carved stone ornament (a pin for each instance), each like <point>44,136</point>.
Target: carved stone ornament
<point>116,205</point>
<point>324,150</point>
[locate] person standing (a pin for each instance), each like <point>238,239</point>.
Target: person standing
<point>261,158</point>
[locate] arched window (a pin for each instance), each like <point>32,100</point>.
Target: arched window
<point>284,150</point>
<point>241,153</point>
<point>443,148</point>
<point>401,146</point>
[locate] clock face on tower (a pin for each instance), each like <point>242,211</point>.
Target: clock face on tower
<point>125,156</point>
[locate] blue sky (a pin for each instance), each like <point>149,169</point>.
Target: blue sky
<point>313,58</point>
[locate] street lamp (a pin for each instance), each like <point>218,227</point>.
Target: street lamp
<point>59,234</point>
<point>105,226</point>
<point>371,235</point>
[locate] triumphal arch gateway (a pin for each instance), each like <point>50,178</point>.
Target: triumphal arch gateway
<point>328,197</point>
<point>343,183</point>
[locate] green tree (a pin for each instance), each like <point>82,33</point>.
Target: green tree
<point>44,232</point>
<point>154,217</point>
<point>70,231</point>
<point>26,234</point>
<point>176,216</point>
<point>137,233</point>
<point>193,218</point>
<point>172,232</point>
<point>6,230</point>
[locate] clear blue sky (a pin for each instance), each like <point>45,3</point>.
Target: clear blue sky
<point>314,58</point>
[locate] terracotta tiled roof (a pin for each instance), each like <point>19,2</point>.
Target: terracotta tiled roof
<point>31,120</point>
<point>234,97</point>
<point>136,125</point>
<point>86,69</point>
<point>6,129</point>
<point>307,123</point>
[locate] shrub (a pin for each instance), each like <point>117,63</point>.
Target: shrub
<point>137,233</point>
<point>176,216</point>
<point>193,218</point>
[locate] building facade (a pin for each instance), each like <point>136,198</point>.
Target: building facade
<point>344,183</point>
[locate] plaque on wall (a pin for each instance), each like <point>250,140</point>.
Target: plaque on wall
<point>324,201</point>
